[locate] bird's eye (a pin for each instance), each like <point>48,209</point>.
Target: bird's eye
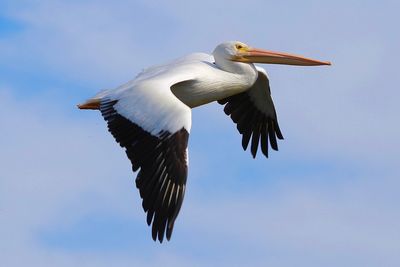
<point>239,46</point>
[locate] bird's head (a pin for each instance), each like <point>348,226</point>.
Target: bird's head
<point>241,52</point>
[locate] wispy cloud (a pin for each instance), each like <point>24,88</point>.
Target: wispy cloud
<point>56,188</point>
<point>328,198</point>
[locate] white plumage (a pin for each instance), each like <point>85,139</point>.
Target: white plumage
<point>150,117</point>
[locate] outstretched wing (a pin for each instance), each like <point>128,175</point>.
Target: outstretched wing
<point>153,126</point>
<point>254,113</point>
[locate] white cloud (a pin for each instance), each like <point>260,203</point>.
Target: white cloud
<point>53,163</point>
<point>47,163</point>
<point>58,168</point>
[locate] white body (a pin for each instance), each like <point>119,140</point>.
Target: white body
<point>169,91</point>
<point>150,117</point>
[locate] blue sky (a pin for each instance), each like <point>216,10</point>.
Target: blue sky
<point>329,197</point>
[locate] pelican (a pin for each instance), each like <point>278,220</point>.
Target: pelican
<point>150,116</point>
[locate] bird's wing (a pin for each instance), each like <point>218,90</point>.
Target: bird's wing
<point>153,126</point>
<point>254,113</point>
<point>179,66</point>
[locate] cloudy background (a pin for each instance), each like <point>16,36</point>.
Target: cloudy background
<point>329,197</point>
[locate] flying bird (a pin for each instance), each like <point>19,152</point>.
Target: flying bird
<point>150,116</point>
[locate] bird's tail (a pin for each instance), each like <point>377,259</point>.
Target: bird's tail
<point>94,103</point>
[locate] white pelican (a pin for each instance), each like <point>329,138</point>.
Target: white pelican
<point>150,117</point>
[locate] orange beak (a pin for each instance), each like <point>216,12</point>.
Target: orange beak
<point>254,55</point>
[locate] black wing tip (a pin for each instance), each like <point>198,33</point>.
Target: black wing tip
<point>245,140</point>
<point>170,229</point>
<point>254,151</point>
<point>279,134</point>
<point>274,146</point>
<point>155,156</point>
<point>158,228</point>
<point>160,239</point>
<point>255,137</point>
<point>252,124</point>
<point>161,230</point>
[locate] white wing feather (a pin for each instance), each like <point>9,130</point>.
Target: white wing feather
<point>148,101</point>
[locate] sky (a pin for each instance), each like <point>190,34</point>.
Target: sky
<point>329,197</point>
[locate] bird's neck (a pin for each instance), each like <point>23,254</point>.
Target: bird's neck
<point>233,66</point>
<point>225,79</point>
<point>245,72</point>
